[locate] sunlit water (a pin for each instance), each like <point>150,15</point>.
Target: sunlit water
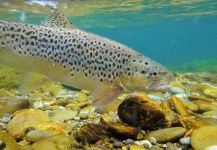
<point>179,34</point>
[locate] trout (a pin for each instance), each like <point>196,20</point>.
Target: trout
<point>58,50</point>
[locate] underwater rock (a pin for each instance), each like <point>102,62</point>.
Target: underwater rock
<point>193,122</point>
<point>124,131</point>
<point>190,122</point>
<point>207,106</point>
<point>36,135</point>
<point>78,106</point>
<point>56,142</point>
<point>176,90</point>
<point>144,143</point>
<point>24,119</point>
<point>206,121</point>
<point>117,144</point>
<point>52,88</point>
<point>171,117</point>
<point>5,93</point>
<point>199,98</point>
<point>167,134</point>
<point>179,106</point>
<point>204,137</point>
<point>91,133</point>
<point>9,141</point>
<point>60,102</point>
<point>185,140</point>
<point>121,130</point>
<point>191,106</point>
<point>181,88</point>
<point>136,147</point>
<point>87,110</point>
<point>211,114</point>
<point>47,130</point>
<point>62,115</point>
<point>6,118</point>
<point>212,92</point>
<point>12,104</point>
<point>141,111</point>
<point>81,97</point>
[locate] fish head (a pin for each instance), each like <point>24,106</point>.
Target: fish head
<point>143,74</point>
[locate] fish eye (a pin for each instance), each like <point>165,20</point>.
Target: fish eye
<point>155,73</point>
<point>143,72</point>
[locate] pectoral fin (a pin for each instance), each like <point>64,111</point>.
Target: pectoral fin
<point>31,81</point>
<point>106,93</point>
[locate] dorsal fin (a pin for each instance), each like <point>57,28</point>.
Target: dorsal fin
<point>57,19</point>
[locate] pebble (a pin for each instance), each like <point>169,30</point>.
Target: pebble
<point>211,147</point>
<point>87,110</point>
<point>153,140</point>
<point>136,147</point>
<point>204,137</point>
<point>117,144</point>
<point>129,141</point>
<point>144,143</point>
<point>6,118</point>
<point>91,133</point>
<point>56,142</point>
<point>81,97</point>
<point>211,114</point>
<point>62,115</point>
<point>176,90</point>
<point>182,96</point>
<point>24,119</point>
<point>83,116</point>
<point>185,140</point>
<point>36,135</point>
<point>141,111</point>
<point>166,134</point>
<point>212,92</point>
<point>62,108</point>
<point>12,104</point>
<point>38,104</point>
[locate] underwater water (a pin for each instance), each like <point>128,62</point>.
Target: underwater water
<point>178,34</point>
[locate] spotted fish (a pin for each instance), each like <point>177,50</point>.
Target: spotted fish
<point>60,51</point>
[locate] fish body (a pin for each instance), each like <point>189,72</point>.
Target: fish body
<point>59,51</point>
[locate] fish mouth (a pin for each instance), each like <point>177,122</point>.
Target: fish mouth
<point>158,85</point>
<point>154,86</point>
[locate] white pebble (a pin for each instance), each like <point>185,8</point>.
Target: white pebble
<point>128,141</point>
<point>38,105</point>
<point>185,140</point>
<point>153,140</point>
<point>77,118</point>
<point>214,147</point>
<point>6,118</point>
<point>62,108</point>
<point>183,96</point>
<point>144,143</point>
<point>176,90</point>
